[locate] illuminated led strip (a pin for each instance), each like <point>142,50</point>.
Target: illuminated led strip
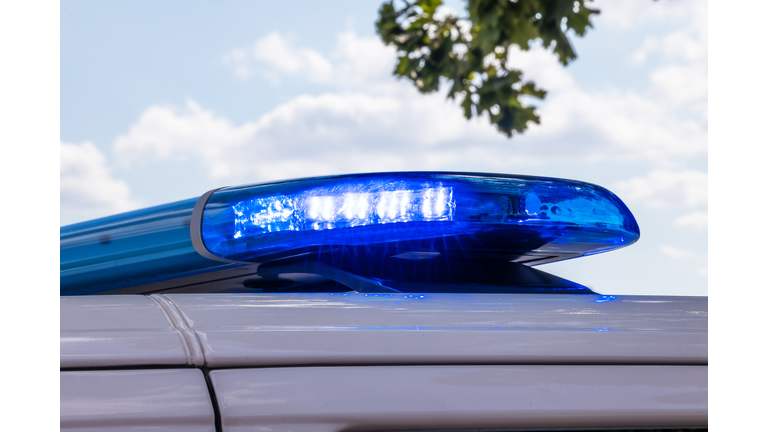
<point>315,212</point>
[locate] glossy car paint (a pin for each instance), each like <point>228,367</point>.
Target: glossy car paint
<point>111,331</point>
<point>388,360</point>
<point>238,330</point>
<point>128,400</point>
<point>451,397</point>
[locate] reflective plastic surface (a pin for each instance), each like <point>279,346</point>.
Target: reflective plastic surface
<point>417,212</point>
<point>374,269</point>
<point>131,248</point>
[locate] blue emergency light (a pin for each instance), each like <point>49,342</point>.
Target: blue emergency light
<point>413,216</point>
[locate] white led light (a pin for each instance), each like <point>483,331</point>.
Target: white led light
<point>350,203</point>
<point>440,202</point>
<point>381,205</point>
<point>405,200</point>
<point>355,209</point>
<point>426,205</point>
<point>355,206</point>
<point>363,206</point>
<point>327,208</point>
<point>314,207</point>
<point>392,207</point>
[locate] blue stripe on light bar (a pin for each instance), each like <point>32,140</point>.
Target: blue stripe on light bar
<point>132,248</point>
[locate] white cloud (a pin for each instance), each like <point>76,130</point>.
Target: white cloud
<point>683,86</point>
<point>629,14</point>
<point>356,131</point>
<point>666,122</point>
<point>684,45</point>
<point>541,66</point>
<point>363,63</point>
<point>309,135</point>
<point>168,133</point>
<point>377,122</point>
<point>688,44</point>
<point>366,64</point>
<point>282,57</point>
<point>355,61</point>
<point>676,253</point>
<point>617,125</point>
<point>374,122</point>
<point>667,188</point>
<point>87,186</point>
<point>682,80</point>
<point>696,220</point>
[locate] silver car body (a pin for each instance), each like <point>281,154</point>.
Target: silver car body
<point>347,361</point>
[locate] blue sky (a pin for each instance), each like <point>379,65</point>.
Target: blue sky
<point>161,101</point>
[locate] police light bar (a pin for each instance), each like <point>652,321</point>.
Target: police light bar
<point>415,214</point>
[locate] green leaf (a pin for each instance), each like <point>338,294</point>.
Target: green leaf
<point>425,46</point>
<point>467,105</point>
<point>402,66</point>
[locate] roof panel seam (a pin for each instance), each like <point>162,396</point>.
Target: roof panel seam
<point>192,347</point>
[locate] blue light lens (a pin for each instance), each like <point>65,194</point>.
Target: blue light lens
<point>520,215</point>
<point>133,248</point>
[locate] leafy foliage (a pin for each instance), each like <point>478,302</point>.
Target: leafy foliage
<point>471,54</point>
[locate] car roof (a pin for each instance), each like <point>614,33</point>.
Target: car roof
<point>235,330</point>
